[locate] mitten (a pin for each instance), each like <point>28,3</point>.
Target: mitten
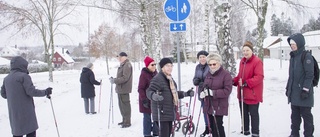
<point>111,80</point>
<point>146,103</point>
<point>196,81</point>
<point>204,93</point>
<point>48,91</point>
<point>190,93</point>
<point>157,97</point>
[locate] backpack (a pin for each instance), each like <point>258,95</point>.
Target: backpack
<point>315,80</point>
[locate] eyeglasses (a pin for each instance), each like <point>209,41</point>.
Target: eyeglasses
<point>153,64</point>
<point>214,64</point>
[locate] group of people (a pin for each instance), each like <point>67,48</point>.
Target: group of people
<point>159,97</point>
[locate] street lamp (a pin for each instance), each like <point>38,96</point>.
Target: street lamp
<point>281,52</point>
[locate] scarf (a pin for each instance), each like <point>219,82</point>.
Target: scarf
<point>173,90</point>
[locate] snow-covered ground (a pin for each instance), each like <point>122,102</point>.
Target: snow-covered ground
<point>73,122</point>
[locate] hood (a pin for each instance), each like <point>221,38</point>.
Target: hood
<point>299,39</point>
<point>85,69</point>
<point>20,64</point>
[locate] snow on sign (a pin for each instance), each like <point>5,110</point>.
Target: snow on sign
<point>177,10</point>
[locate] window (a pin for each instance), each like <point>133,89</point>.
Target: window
<point>54,59</point>
<point>59,59</point>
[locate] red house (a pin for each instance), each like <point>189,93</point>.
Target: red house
<point>61,58</point>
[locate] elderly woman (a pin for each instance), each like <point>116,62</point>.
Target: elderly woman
<point>147,73</point>
<point>201,71</point>
<point>218,86</point>
<point>165,98</point>
<point>250,87</point>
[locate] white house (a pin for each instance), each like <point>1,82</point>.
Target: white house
<point>313,43</point>
<point>276,46</point>
<point>9,52</point>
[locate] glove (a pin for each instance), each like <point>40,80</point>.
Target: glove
<point>48,91</point>
<point>304,94</point>
<point>207,92</point>
<point>111,80</point>
<point>244,84</point>
<point>190,93</point>
<point>157,97</point>
<point>196,81</point>
<point>146,103</point>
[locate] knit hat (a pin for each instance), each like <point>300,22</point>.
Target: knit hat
<point>89,65</point>
<point>147,61</point>
<point>202,52</point>
<point>248,44</point>
<point>121,54</point>
<point>164,61</point>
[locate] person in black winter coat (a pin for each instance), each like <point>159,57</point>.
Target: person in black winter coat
<point>88,81</point>
<point>19,91</point>
<point>299,89</point>
<point>165,98</point>
<point>201,71</point>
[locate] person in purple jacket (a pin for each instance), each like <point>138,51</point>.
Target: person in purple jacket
<point>217,89</point>
<point>147,73</point>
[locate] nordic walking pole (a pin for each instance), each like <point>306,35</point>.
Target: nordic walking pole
<point>229,116</point>
<point>54,115</point>
<point>158,107</point>
<point>110,105</point>
<point>100,96</point>
<point>242,113</point>
<point>195,133</point>
<point>188,121</point>
<point>214,115</point>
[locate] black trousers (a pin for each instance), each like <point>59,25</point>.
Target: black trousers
<point>32,134</point>
<point>165,128</point>
<point>253,111</point>
<point>305,112</point>
<point>216,124</point>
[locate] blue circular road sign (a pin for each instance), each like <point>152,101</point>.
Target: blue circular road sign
<point>177,10</point>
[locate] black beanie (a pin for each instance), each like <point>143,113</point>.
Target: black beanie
<point>164,61</point>
<point>202,52</point>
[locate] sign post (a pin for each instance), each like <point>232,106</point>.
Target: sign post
<point>177,11</point>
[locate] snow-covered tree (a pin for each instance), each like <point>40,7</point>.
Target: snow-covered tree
<point>224,46</point>
<point>259,8</point>
<point>43,18</point>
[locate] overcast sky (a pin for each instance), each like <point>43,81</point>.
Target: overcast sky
<point>74,36</point>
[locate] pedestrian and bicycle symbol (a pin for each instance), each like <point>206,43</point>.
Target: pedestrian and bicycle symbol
<point>177,10</point>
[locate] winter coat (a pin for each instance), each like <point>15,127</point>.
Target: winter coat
<point>124,78</point>
<point>300,75</point>
<point>251,72</point>
<point>19,91</point>
<point>144,82</point>
<point>88,81</point>
<point>167,108</point>
<point>200,73</point>
<point>221,83</point>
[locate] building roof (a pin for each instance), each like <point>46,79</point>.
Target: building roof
<point>312,38</point>
<point>9,51</point>
<point>64,53</point>
<point>274,42</point>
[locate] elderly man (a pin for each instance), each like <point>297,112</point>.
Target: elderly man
<point>123,83</point>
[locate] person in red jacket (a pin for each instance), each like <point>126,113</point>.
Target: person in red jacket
<point>147,73</point>
<point>250,83</point>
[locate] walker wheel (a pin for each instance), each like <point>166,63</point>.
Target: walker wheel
<point>186,128</point>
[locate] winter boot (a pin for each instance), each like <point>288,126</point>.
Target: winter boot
<point>255,135</point>
<point>245,133</point>
<point>205,132</point>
